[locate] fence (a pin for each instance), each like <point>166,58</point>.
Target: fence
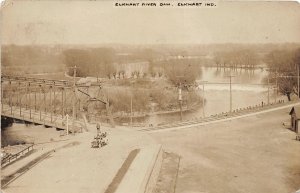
<point>9,158</point>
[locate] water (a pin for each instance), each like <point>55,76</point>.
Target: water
<point>19,133</point>
<point>248,89</point>
<point>242,76</point>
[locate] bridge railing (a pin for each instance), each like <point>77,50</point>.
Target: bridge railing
<point>10,158</point>
<point>45,119</point>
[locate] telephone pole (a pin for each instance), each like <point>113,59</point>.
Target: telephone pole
<point>67,117</point>
<point>298,89</point>
<point>180,95</point>
<point>131,110</point>
<point>230,91</point>
<point>180,100</point>
<point>203,97</point>
<point>131,104</point>
<point>276,86</point>
<point>74,99</point>
<point>268,91</point>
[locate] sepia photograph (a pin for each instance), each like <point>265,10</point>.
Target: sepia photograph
<point>150,96</point>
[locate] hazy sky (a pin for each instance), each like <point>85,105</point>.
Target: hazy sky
<point>97,22</point>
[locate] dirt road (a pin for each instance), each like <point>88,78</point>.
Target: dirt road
<point>75,166</point>
<point>254,154</point>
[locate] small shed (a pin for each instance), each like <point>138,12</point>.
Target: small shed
<point>295,118</point>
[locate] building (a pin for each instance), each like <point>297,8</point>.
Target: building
<point>295,118</point>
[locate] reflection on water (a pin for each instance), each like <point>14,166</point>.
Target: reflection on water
<point>242,76</point>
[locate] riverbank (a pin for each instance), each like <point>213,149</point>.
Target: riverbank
<point>248,89</point>
<point>192,107</point>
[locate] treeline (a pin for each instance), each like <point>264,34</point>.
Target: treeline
<point>178,63</point>
<point>101,62</point>
<point>105,62</point>
<point>236,59</point>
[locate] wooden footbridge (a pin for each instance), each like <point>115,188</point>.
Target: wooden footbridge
<point>63,104</point>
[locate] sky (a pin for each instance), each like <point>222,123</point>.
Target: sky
<point>100,22</point>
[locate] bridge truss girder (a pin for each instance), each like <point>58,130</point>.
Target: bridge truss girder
<point>46,96</point>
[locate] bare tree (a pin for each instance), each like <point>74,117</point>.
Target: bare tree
<point>181,71</point>
<point>283,65</point>
<point>234,59</point>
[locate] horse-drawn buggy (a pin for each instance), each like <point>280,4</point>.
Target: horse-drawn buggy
<point>100,140</point>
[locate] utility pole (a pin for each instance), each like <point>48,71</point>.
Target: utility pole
<point>29,101</point>
<point>10,98</point>
<point>230,91</point>
<point>67,116</point>
<point>1,95</point>
<point>180,100</point>
<point>203,101</point>
<point>298,90</point>
<point>131,105</point>
<point>268,91</point>
<point>54,98</point>
<point>230,95</point>
<point>62,102</point>
<point>51,104</point>
<point>19,99</point>
<point>180,96</point>
<point>203,98</point>
<point>40,96</point>
<point>35,98</point>
<point>131,110</point>
<point>74,99</point>
<point>45,107</point>
<point>276,87</point>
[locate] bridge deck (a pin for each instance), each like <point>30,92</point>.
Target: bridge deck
<point>38,117</point>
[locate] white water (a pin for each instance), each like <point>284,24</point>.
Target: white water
<point>248,89</point>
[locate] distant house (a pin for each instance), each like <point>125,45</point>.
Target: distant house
<point>295,118</point>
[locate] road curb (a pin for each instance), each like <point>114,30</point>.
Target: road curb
<point>154,130</point>
<point>153,172</point>
<point>142,175</point>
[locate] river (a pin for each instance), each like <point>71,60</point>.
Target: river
<point>248,89</point>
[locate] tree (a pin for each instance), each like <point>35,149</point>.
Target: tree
<point>181,71</point>
<point>123,73</point>
<point>244,58</point>
<point>283,66</point>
